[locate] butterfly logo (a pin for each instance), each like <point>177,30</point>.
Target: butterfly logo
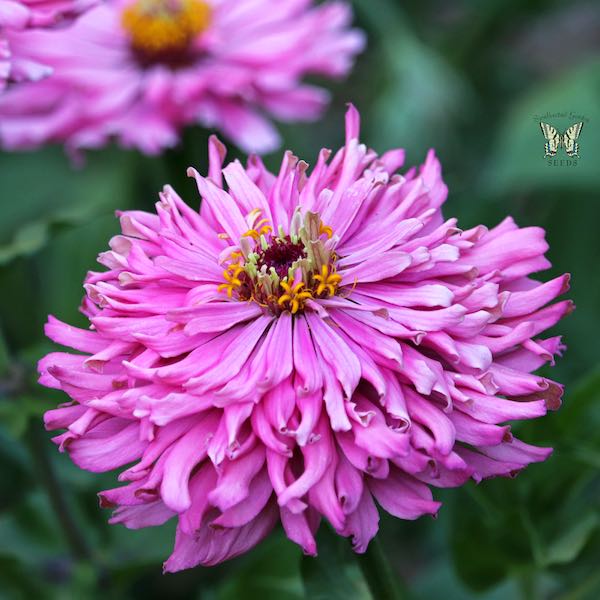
<point>568,139</point>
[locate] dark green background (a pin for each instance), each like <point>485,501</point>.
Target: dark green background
<point>466,77</point>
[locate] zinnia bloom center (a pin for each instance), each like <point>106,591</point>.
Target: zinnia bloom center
<point>282,271</point>
<point>281,255</point>
<point>165,29</point>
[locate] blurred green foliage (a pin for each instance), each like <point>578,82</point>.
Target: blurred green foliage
<point>468,78</point>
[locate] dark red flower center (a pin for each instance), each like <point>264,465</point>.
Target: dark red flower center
<point>280,255</point>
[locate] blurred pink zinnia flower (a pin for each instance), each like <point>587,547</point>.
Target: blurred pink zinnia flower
<point>301,347</point>
<point>140,70</point>
<point>17,62</point>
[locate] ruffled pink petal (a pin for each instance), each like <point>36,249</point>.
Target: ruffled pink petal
<point>231,412</point>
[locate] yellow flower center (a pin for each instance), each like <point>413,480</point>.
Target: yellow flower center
<point>165,27</point>
<point>282,271</point>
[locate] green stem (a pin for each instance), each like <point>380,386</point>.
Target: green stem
<point>382,581</point>
<point>47,474</point>
<point>528,586</point>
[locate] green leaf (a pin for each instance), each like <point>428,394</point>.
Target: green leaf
<point>29,238</point>
<point>439,575</point>
<point>12,418</point>
<point>584,396</point>
<point>4,356</point>
<point>16,581</point>
<point>546,516</point>
<point>15,470</point>
<point>271,572</point>
<point>46,192</point>
<point>578,421</point>
<point>334,573</point>
<point>587,588</point>
<point>31,532</point>
<point>411,118</point>
<point>479,551</point>
<point>129,550</point>
<point>517,160</point>
<point>568,546</point>
<point>15,412</point>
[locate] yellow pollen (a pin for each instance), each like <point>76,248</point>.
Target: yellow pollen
<point>256,233</point>
<point>235,269</point>
<point>160,27</point>
<point>294,298</point>
<point>327,281</point>
<point>325,229</point>
<point>277,272</point>
<point>232,279</point>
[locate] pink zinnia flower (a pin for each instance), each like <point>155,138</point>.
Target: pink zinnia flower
<point>17,63</point>
<point>140,70</point>
<point>305,345</point>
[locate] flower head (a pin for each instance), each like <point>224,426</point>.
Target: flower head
<point>303,346</point>
<point>144,69</point>
<point>19,16</point>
